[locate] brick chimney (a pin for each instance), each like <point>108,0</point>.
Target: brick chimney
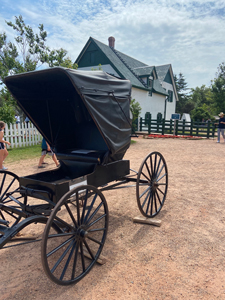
<point>111,40</point>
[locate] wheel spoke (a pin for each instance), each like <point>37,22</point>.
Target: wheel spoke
<point>59,247</point>
<point>9,186</point>
<point>97,220</point>
<point>150,175</point>
<point>158,166</point>
<point>94,213</point>
<point>161,177</point>
<point>97,229</point>
<point>155,202</point>
<point>90,208</point>
<point>82,256</point>
<point>160,171</point>
<point>68,259</point>
<point>75,262</point>
<point>3,181</point>
<point>143,204</point>
<point>145,176</point>
<point>149,201</point>
<point>94,240</point>
<point>145,192</point>
<point>89,250</point>
<point>160,191</point>
<point>158,197</point>
<point>84,207</point>
<point>71,215</point>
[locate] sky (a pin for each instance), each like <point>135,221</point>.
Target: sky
<point>189,35</point>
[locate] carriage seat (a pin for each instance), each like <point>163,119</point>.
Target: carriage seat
<point>83,155</point>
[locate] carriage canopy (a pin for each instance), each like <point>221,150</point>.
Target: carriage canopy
<point>76,109</point>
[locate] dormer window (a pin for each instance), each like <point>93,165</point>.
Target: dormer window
<point>150,81</point>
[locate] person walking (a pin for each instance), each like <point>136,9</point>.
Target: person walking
<point>3,151</point>
<point>221,127</point>
<point>46,149</point>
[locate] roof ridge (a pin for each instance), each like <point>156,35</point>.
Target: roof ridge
<point>144,67</point>
<point>130,69</point>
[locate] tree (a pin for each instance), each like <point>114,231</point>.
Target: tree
<point>182,91</point>
<point>202,100</point>
<point>218,88</point>
<point>200,112</point>
<point>135,109</point>
<point>29,53</point>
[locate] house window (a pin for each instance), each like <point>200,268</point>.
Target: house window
<point>170,97</point>
<point>150,81</point>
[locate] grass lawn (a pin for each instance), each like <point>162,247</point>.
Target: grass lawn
<point>17,154</point>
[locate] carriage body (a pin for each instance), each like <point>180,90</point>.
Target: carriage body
<point>85,117</point>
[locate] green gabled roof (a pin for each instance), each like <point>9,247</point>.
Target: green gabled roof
<point>146,70</point>
<point>162,72</point>
<point>121,66</point>
<point>132,62</point>
<point>158,88</point>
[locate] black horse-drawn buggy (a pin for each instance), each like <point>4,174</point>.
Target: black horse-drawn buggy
<point>85,117</point>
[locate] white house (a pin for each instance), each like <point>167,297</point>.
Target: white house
<point>152,86</point>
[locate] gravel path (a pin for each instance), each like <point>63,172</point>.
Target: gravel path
<point>182,259</point>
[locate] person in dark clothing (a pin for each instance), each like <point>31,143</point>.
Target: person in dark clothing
<point>46,150</point>
<point>221,127</point>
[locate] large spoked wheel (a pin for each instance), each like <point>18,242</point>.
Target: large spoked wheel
<point>82,216</point>
<point>10,198</point>
<point>152,183</point>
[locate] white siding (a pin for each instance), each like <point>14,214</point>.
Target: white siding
<point>171,106</point>
<point>153,104</point>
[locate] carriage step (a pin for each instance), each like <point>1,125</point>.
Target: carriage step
<point>149,221</point>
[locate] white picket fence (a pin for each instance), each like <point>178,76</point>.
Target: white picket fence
<point>21,135</point>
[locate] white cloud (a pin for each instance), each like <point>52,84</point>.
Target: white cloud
<point>188,34</point>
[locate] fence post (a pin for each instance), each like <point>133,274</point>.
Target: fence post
<point>208,129</point>
<point>197,129</point>
<point>163,126</point>
<point>140,124</point>
<point>176,128</point>
<point>149,124</point>
<point>214,127</point>
<point>183,127</point>
<point>191,130</point>
<point>171,124</point>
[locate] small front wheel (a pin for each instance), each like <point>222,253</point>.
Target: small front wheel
<point>82,216</point>
<point>152,183</point>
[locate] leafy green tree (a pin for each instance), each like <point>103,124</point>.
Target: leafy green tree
<point>202,98</point>
<point>218,88</point>
<point>200,112</point>
<point>29,52</point>
<point>135,109</point>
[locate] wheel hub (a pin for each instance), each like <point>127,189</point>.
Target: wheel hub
<point>154,185</point>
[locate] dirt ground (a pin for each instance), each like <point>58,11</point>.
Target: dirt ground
<point>182,259</point>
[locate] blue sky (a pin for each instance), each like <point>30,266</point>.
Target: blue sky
<point>187,34</point>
